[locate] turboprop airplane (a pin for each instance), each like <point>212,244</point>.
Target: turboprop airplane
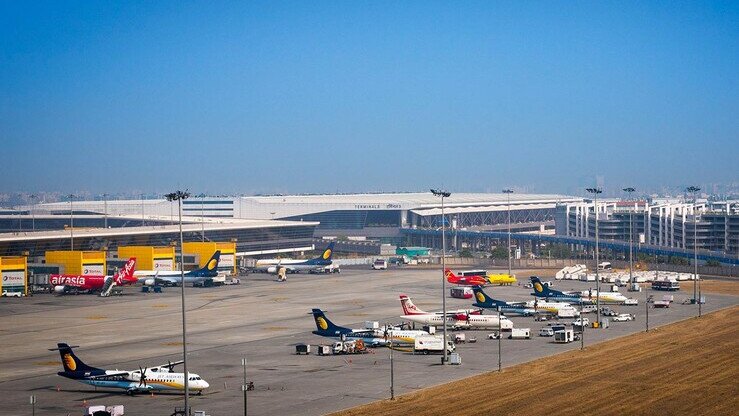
<point>372,337</point>
<point>297,266</point>
<point>409,308</point>
<point>174,278</point>
<point>67,283</point>
<point>532,307</point>
<point>587,297</point>
<point>493,279</point>
<point>145,379</point>
<point>474,280</point>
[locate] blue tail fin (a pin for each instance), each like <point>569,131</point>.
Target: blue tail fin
<point>71,363</point>
<point>326,328</point>
<point>211,267</point>
<point>541,290</point>
<point>325,257</point>
<point>482,300</point>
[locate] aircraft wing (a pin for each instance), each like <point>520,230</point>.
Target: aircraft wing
<point>169,364</point>
<point>166,279</point>
<point>119,373</point>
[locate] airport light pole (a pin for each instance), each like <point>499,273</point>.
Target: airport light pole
<point>595,192</point>
<point>105,217</point>
<point>244,387</point>
<point>508,193</point>
<point>696,296</point>
<point>202,217</point>
<point>582,328</point>
<point>33,213</point>
<point>179,196</point>
<point>646,302</point>
<point>71,222</point>
<point>500,347</point>
<point>392,365</point>
<point>443,194</point>
<point>631,242</point>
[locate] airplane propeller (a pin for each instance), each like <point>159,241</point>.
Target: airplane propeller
<point>142,379</point>
<point>170,366</point>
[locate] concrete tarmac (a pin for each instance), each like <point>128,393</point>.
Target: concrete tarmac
<point>262,320</point>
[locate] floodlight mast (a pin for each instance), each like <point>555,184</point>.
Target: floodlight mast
<point>443,194</point>
<point>179,196</point>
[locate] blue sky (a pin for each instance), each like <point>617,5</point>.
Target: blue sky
<point>244,97</point>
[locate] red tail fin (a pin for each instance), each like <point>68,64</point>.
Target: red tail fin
<point>125,274</point>
<point>408,307</point>
<point>450,276</point>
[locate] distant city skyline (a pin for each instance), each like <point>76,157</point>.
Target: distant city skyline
<point>293,97</point>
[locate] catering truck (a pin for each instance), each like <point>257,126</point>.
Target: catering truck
<point>428,344</point>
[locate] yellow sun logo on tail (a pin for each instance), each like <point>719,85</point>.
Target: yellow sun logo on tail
<point>480,297</point>
<point>69,362</point>
<point>322,323</point>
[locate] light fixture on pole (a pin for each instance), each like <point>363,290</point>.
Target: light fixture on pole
<point>443,194</point>
<point>595,192</point>
<point>179,196</point>
<point>696,288</point>
<point>508,193</point>
<point>631,241</point>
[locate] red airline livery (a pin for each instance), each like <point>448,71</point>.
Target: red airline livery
<point>475,280</point>
<point>65,283</point>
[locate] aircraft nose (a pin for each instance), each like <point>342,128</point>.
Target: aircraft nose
<point>204,384</point>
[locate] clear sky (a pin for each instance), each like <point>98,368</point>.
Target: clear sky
<point>292,97</point>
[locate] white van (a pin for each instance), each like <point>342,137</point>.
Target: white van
<point>379,264</point>
<point>547,331</point>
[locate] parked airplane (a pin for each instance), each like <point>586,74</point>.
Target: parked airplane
<point>494,279</point>
<point>66,283</point>
<point>174,278</point>
<point>371,337</point>
<point>409,308</point>
<point>137,381</point>
<point>586,297</point>
<point>482,300</point>
<point>475,280</point>
<point>296,266</point>
<point>462,321</point>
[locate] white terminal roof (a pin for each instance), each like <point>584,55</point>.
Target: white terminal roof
<point>194,226</point>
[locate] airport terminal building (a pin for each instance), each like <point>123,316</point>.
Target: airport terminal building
<point>375,216</point>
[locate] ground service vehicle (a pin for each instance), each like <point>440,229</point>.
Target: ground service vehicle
<point>631,302</point>
<point>547,331</point>
<point>520,333</point>
<point>564,336</point>
<point>432,344</point>
<point>670,285</point>
<point>460,292</point>
<point>379,264</point>
<point>624,317</point>
<point>581,322</point>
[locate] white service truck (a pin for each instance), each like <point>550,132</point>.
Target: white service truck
<point>430,344</point>
<point>520,333</point>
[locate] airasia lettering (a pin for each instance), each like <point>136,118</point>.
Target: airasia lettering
<point>68,280</point>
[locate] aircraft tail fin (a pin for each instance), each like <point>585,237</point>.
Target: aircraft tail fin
<point>482,300</point>
<point>325,327</point>
<point>325,257</point>
<point>70,362</point>
<point>409,308</point>
<point>125,274</point>
<point>211,267</point>
<point>541,290</point>
<point>450,276</point>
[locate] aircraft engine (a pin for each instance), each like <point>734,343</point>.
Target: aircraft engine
<point>60,289</point>
<point>149,282</point>
<point>272,269</point>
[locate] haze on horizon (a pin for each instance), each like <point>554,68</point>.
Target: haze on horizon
<point>377,96</point>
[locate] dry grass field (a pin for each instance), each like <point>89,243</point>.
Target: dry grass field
<point>718,286</point>
<point>686,368</point>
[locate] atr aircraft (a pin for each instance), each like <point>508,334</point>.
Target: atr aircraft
<point>157,378</point>
<point>296,266</point>
<point>174,278</point>
<point>66,283</point>
<point>474,280</point>
<point>372,337</point>
<point>587,297</point>
<point>482,300</point>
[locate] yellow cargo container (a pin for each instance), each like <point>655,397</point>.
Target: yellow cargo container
<point>149,257</point>
<point>206,249</point>
<point>83,263</point>
<point>14,272</point>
